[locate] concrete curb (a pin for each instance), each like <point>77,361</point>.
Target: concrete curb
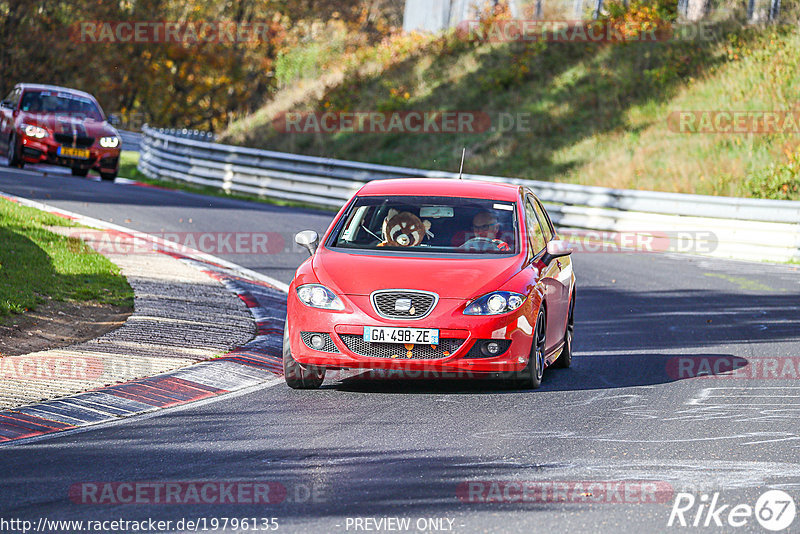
<point>256,362</point>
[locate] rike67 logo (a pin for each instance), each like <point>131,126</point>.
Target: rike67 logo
<point>774,510</point>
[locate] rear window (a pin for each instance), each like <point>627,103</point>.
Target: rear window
<point>428,225</point>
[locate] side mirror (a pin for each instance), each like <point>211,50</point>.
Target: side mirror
<point>114,120</point>
<point>308,239</point>
<point>556,249</point>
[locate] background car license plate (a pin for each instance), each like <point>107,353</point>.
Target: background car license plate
<point>417,336</point>
<point>69,152</point>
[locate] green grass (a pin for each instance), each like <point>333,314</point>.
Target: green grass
<point>599,112</point>
<point>36,264</point>
<point>128,160</point>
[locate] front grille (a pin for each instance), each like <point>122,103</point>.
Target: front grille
<point>31,152</point>
<point>475,351</point>
<point>385,302</point>
<point>445,348</point>
<point>328,347</point>
<point>81,141</point>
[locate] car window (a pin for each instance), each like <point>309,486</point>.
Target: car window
<point>544,220</point>
<point>536,238</point>
<point>428,225</point>
<point>12,98</point>
<point>60,103</point>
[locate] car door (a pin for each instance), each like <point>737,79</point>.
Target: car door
<point>550,278</point>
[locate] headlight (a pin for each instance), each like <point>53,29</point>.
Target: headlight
<point>495,303</point>
<point>36,132</point>
<point>109,142</point>
<point>318,296</point>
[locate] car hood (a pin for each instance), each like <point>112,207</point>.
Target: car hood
<point>360,274</point>
<point>67,125</point>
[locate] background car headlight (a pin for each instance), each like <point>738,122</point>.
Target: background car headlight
<point>318,296</point>
<point>495,303</point>
<point>36,132</point>
<point>109,142</point>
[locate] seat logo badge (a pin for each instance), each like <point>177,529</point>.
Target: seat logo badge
<point>403,305</point>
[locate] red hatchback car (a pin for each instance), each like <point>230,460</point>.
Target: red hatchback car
<point>58,126</point>
<point>432,278</point>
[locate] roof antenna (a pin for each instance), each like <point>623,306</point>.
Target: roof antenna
<point>461,170</point>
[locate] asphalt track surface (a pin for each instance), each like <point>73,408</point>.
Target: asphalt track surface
<point>376,449</point>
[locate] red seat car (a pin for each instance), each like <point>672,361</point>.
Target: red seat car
<point>58,126</point>
<point>432,278</point>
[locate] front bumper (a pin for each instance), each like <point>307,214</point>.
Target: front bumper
<point>45,151</point>
<point>345,350</point>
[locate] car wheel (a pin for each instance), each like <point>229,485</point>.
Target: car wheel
<point>532,374</point>
<point>79,172</point>
<point>297,376</point>
<point>108,176</point>
<point>565,360</point>
<point>13,153</point>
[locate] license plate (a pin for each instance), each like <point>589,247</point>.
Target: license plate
<point>416,336</point>
<point>69,152</point>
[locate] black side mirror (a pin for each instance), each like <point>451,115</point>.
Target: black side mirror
<point>114,120</point>
<point>556,249</point>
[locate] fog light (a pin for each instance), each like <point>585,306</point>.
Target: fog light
<point>317,342</point>
<point>491,348</point>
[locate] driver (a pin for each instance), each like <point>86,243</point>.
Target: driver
<point>485,225</point>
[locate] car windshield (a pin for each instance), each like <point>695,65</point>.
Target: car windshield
<point>60,103</point>
<point>428,225</point>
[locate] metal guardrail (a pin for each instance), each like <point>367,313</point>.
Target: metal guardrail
<point>744,228</point>
<point>130,140</point>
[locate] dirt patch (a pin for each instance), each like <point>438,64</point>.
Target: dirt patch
<point>57,325</point>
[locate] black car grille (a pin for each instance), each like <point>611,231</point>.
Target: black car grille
<point>444,349</point>
<point>421,304</point>
<point>328,347</point>
<point>81,141</point>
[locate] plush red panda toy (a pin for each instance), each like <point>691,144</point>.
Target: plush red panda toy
<point>403,229</point>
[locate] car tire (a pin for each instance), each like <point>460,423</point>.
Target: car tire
<point>108,176</point>
<point>532,374</point>
<point>13,153</point>
<point>79,172</point>
<point>565,360</point>
<point>297,376</point>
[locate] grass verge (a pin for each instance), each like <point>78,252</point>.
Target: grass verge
<point>595,114</point>
<point>36,264</point>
